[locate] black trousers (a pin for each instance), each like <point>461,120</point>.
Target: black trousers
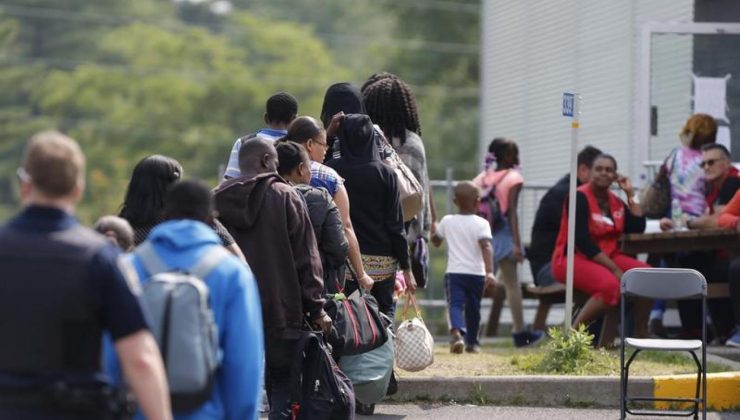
<point>279,356</point>
<point>734,278</point>
<point>720,310</point>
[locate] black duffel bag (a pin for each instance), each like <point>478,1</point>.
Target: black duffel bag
<point>358,323</point>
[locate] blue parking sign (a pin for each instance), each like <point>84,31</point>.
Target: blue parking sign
<point>568,102</point>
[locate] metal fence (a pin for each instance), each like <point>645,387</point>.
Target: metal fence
<point>529,199</point>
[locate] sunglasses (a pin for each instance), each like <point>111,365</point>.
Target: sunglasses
<point>708,163</point>
<point>23,175</point>
<point>324,145</point>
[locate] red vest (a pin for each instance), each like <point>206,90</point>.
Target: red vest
<point>713,192</point>
<point>605,233</point>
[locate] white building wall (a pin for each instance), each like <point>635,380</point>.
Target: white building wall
<point>534,50</point>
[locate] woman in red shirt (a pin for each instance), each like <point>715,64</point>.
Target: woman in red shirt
<point>601,219</point>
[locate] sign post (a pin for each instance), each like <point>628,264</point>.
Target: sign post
<point>571,108</point>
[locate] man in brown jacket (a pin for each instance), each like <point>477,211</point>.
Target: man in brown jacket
<point>270,223</point>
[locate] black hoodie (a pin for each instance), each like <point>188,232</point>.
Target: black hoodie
<point>340,97</point>
<point>375,205</point>
<point>270,223</point>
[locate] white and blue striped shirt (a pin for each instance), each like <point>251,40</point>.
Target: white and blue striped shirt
<point>232,168</point>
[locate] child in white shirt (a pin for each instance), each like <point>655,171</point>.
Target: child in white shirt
<point>469,266</point>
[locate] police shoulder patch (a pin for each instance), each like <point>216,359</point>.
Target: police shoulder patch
<point>129,273</point>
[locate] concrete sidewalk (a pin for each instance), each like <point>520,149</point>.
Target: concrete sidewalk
<point>723,390</point>
<point>427,411</point>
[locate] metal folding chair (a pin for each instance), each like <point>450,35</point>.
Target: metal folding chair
<point>667,284</point>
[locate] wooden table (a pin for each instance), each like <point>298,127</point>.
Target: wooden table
<point>683,241</point>
<point>680,241</point>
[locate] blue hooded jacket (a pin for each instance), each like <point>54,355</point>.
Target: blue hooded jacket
<point>236,306</point>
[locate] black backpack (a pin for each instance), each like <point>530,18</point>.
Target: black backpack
<point>319,389</point>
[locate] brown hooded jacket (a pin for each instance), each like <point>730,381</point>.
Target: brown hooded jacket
<point>270,223</point>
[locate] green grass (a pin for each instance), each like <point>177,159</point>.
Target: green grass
<point>502,359</point>
<point>570,354</point>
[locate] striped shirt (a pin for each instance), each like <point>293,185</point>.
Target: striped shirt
<point>325,177</point>
<point>232,168</point>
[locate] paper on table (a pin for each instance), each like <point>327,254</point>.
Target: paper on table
<point>710,96</point>
<point>652,226</point>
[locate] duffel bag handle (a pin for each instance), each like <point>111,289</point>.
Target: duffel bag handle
<point>410,298</point>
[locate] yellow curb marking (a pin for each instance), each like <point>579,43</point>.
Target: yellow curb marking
<point>723,390</point>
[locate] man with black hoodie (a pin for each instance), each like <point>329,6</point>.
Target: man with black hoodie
<point>270,223</point>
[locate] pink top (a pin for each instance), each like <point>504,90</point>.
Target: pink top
<point>504,180</point>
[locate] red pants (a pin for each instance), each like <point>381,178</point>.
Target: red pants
<point>593,278</point>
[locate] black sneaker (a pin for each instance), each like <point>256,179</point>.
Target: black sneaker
<point>656,328</point>
<point>364,409</point>
<point>528,338</point>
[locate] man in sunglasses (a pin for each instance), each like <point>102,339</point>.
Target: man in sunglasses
<point>723,180</point>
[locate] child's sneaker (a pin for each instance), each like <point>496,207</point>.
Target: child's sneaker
<point>528,338</point>
<point>456,342</point>
<point>734,340</point>
<point>472,349</point>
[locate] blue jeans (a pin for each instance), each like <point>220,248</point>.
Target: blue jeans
<point>464,293</point>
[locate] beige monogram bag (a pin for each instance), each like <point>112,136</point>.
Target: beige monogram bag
<point>409,188</point>
<point>413,343</point>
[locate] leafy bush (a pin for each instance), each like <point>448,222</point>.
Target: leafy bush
<point>570,354</point>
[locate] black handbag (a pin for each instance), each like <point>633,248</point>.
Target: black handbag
<point>655,198</point>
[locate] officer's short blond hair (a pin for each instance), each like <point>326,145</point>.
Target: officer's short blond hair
<point>54,162</point>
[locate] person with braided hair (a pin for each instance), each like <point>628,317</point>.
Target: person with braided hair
<point>391,104</point>
<point>375,77</point>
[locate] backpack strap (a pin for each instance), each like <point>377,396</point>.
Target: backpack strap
<point>208,262</point>
<point>307,342</point>
<point>153,264</point>
<point>150,259</point>
<point>249,136</point>
<point>500,179</point>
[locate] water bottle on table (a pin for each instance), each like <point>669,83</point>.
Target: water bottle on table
<point>677,215</point>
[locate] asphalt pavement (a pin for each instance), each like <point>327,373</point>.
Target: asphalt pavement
<point>470,412</point>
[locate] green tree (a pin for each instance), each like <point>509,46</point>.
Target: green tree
<point>446,77</point>
<point>174,89</point>
<point>356,31</point>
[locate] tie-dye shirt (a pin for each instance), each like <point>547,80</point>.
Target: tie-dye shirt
<point>687,179</point>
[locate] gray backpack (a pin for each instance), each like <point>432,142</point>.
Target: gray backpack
<point>183,324</point>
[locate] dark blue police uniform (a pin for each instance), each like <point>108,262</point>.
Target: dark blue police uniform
<point>60,289</point>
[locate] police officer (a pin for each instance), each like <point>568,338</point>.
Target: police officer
<point>60,288</point>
